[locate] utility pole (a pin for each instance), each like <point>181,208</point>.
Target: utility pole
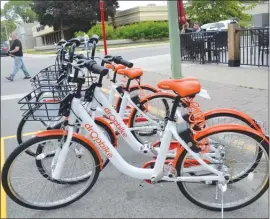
<point>101,5</point>
<point>174,39</point>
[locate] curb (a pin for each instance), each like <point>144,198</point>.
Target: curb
<point>38,55</point>
<point>100,49</point>
<point>134,47</point>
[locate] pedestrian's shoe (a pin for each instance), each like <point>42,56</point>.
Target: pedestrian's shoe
<point>27,77</point>
<point>9,78</point>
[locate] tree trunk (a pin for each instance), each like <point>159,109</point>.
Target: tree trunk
<point>113,22</point>
<point>62,31</point>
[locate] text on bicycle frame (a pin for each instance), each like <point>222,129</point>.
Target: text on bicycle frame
<point>115,122</point>
<point>95,136</point>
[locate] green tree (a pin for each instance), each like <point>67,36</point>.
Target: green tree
<point>6,29</point>
<point>209,11</point>
<point>14,10</point>
<point>72,15</point>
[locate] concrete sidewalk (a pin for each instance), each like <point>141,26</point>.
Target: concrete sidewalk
<point>246,76</point>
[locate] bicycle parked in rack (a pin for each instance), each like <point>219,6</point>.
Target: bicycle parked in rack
<point>186,167</point>
<point>146,147</point>
<point>194,166</point>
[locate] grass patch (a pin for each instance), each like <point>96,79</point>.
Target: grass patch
<point>45,52</point>
<point>99,47</point>
<point>134,44</point>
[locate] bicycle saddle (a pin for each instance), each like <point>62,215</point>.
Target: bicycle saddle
<point>131,73</point>
<point>76,41</point>
<point>185,87</point>
<point>93,38</point>
<point>61,42</point>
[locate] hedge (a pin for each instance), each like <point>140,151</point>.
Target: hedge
<point>142,30</point>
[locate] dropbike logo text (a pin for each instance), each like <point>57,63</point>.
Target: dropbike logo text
<point>114,121</point>
<point>94,135</point>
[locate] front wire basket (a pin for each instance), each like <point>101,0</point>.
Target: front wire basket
<point>89,80</point>
<point>47,103</point>
<point>47,76</point>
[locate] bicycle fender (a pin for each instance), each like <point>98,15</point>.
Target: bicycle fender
<point>101,120</point>
<point>81,137</point>
<point>226,128</point>
<point>246,117</point>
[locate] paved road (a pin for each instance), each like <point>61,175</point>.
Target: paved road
<point>20,86</point>
<point>36,64</point>
<point>116,195</point>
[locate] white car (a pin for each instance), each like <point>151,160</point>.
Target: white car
<point>217,26</point>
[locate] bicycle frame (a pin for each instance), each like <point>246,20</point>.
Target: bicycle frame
<point>104,106</point>
<point>125,100</point>
<point>99,139</point>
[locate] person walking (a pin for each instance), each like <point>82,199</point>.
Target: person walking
<point>17,53</point>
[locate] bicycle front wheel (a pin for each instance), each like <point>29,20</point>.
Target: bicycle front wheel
<point>43,165</point>
<point>240,147</point>
<point>27,129</point>
<point>24,184</point>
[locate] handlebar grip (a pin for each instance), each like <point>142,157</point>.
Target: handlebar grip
<point>120,60</point>
<point>80,56</point>
<point>95,68</point>
<point>68,43</point>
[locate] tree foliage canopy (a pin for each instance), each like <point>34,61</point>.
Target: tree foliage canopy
<point>14,10</point>
<point>6,28</point>
<point>76,15</point>
<point>206,11</point>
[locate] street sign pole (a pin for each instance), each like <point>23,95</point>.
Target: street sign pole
<point>174,36</point>
<point>103,26</point>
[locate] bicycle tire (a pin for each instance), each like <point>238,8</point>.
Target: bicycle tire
<point>20,129</point>
<point>18,150</point>
<point>208,115</point>
<point>58,126</point>
<point>180,161</point>
<point>149,98</point>
<point>41,169</point>
<point>249,123</point>
<point>132,89</point>
<point>221,113</point>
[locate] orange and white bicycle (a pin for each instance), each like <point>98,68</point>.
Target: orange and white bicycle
<point>234,149</point>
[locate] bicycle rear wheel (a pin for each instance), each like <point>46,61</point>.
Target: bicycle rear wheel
<point>158,108</point>
<point>135,90</point>
<point>20,171</point>
<point>240,146</point>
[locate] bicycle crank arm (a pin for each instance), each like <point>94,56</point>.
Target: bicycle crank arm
<point>193,179</point>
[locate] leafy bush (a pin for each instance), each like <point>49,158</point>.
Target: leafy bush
<point>97,29</point>
<point>142,30</point>
<point>79,33</point>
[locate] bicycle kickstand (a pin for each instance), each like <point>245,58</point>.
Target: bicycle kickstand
<point>223,189</point>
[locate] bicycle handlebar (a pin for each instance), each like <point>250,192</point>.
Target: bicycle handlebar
<point>92,66</point>
<point>118,60</point>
